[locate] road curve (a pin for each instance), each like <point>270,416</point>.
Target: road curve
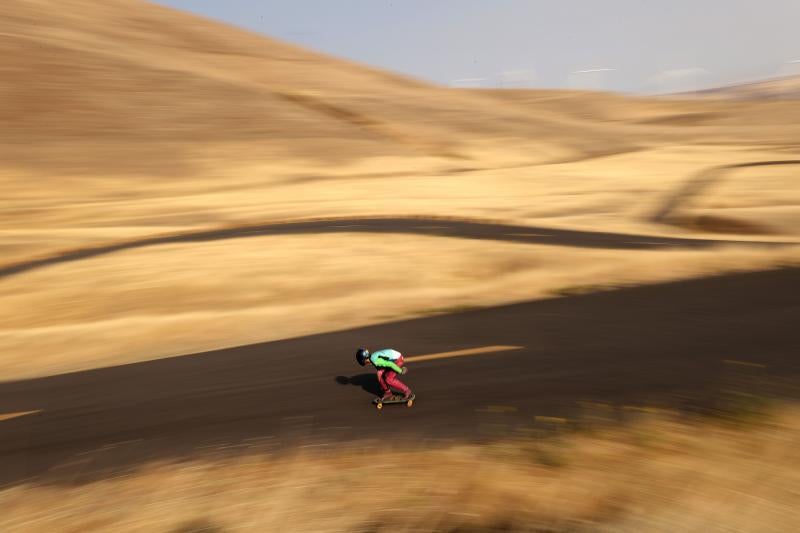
<point>643,345</point>
<point>415,225</point>
<point>695,185</point>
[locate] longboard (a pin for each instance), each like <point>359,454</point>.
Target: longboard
<point>380,402</point>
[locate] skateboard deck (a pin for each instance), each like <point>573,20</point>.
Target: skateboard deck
<point>380,402</point>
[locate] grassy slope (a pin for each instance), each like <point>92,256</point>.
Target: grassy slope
<point>123,119</point>
<point>657,474</point>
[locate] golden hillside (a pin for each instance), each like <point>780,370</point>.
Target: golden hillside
<point>123,120</point>
<point>126,86</point>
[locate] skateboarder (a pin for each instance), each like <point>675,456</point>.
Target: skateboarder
<point>389,364</point>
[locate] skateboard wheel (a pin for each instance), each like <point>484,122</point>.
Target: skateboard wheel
<point>409,403</point>
<point>378,406</point>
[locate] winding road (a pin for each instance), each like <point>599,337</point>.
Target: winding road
<point>669,210</point>
<point>658,344</point>
<point>414,225</point>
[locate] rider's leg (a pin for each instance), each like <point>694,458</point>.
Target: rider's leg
<point>386,392</point>
<point>392,381</point>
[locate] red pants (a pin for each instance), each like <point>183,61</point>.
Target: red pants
<point>388,380</point>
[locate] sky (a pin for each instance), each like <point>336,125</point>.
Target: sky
<point>640,46</point>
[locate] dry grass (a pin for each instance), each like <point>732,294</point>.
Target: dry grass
<point>146,303</point>
<point>178,299</point>
<point>657,474</point>
<point>769,196</point>
<point>126,120</point>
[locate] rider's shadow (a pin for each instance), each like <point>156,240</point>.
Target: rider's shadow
<point>368,382</point>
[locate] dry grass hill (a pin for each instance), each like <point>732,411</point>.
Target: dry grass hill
<point>123,120</point>
<point>782,88</point>
<point>122,86</point>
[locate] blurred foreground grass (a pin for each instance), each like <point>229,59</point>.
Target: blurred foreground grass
<point>661,471</point>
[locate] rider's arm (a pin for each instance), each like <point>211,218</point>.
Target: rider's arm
<point>380,362</point>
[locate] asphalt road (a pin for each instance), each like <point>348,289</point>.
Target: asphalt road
<point>410,225</point>
<point>645,345</point>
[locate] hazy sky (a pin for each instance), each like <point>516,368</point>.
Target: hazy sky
<point>651,45</point>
